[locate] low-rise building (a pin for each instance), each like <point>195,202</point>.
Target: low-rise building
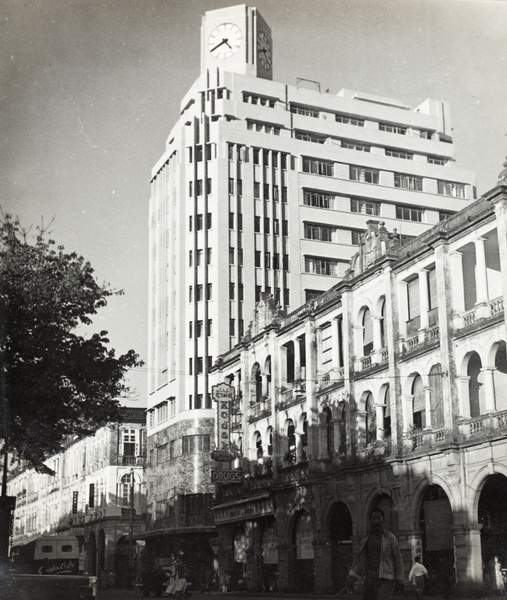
<point>97,493</point>
<point>390,391</point>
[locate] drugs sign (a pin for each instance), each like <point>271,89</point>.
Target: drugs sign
<point>226,476</point>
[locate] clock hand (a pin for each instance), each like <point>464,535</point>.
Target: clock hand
<point>224,41</point>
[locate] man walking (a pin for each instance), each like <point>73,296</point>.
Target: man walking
<point>379,560</point>
<point>417,576</point>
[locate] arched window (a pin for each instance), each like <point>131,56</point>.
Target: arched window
<point>258,446</point>
<point>367,332</point>
<point>418,404</point>
<point>370,424</point>
<point>125,485</point>
<point>387,414</point>
<point>436,397</point>
<point>291,442</point>
<point>382,324</point>
<point>257,382</point>
<point>270,441</point>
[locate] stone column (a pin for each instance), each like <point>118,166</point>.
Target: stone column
<point>427,404</point>
<point>407,412</point>
<point>377,340</point>
<point>379,413</point>
<point>481,278</point>
<point>464,395</point>
<point>286,562</point>
<point>489,389</point>
<point>457,289</point>
<point>297,359</point>
<point>335,344</point>
<point>468,560</point>
<point>322,566</point>
<point>424,304</point>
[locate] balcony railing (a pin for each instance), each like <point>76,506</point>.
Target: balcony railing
<point>429,336</point>
<point>292,395</point>
<point>483,425</point>
<point>259,410</point>
<point>496,307</point>
<point>331,377</point>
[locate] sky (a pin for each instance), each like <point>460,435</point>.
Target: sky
<point>89,90</point>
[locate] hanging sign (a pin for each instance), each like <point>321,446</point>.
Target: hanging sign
<point>223,394</point>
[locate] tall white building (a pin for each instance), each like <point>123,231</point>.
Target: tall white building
<point>263,187</point>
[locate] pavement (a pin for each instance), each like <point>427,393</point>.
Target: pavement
<point>136,594</point>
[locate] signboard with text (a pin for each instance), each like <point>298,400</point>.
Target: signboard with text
<point>223,394</point>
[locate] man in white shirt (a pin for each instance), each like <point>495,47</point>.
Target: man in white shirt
<point>417,576</point>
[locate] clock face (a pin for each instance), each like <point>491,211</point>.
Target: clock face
<point>225,40</point>
<point>264,50</point>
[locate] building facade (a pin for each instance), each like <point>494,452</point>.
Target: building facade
<point>263,188</point>
<point>97,493</point>
<point>390,391</point>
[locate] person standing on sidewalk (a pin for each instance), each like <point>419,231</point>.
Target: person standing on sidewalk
<point>417,576</point>
<point>379,560</point>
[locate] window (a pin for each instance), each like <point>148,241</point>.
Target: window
<point>407,213</point>
<point>125,487</point>
<point>260,100</point>
<point>232,327</point>
<point>321,266</point>
<point>310,137</point>
<point>449,188</point>
<point>435,160</point>
<point>266,225</point>
<point>209,290</point>
<point>304,110</point>
<point>318,199</point>
<point>349,120</point>
<point>231,185</point>
<point>326,346</point>
<point>257,190</point>
<point>209,221</point>
<point>257,258</point>
<point>129,442</point>
<point>257,224</point>
<point>190,258</point>
<point>364,207</point>
<point>198,258</point>
<point>192,444</point>
<point>198,292</point>
<point>231,220</point>
<point>364,175</point>
<point>198,222</point>
<point>231,256</point>
<point>317,166</point>
<point>399,154</point>
<point>209,328</point>
<point>190,329</point>
<point>199,364</point>
<point>323,233</point>
<point>356,235</point>
<point>355,146</point>
<point>408,182</point>
<point>414,307</point>
<point>198,329</point>
<point>392,128</point>
<point>231,291</point>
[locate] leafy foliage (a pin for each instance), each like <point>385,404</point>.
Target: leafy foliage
<point>53,382</point>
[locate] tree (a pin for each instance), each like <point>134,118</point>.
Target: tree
<point>54,382</point>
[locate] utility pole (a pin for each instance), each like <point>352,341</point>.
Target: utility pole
<point>131,529</point>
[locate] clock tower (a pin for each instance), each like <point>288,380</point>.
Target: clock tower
<point>237,39</point>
